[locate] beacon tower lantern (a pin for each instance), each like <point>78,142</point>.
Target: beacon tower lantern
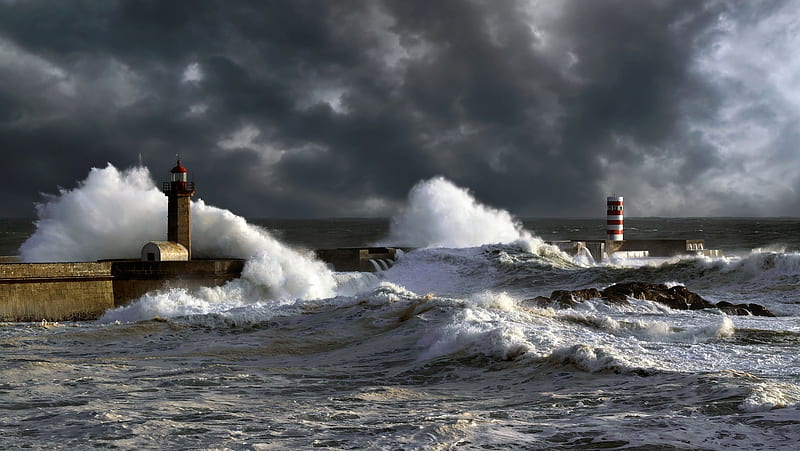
<point>179,191</point>
<point>614,218</point>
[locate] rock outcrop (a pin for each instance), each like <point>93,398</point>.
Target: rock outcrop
<point>676,297</point>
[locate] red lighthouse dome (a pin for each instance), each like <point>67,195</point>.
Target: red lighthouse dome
<point>179,173</point>
<point>179,181</point>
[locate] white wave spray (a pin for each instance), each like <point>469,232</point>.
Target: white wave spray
<point>111,214</point>
<point>441,214</point>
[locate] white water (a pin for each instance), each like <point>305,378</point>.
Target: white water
<point>441,214</point>
<point>111,214</point>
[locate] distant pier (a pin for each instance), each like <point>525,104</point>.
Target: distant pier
<point>364,259</point>
<point>603,249</point>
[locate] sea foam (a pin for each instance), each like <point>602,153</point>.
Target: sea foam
<point>477,332</point>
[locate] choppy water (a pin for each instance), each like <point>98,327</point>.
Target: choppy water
<point>440,351</point>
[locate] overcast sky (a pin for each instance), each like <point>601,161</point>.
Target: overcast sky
<point>337,108</point>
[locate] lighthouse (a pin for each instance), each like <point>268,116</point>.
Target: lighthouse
<point>179,191</point>
<point>614,218</point>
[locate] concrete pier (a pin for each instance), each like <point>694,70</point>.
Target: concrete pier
<point>602,249</point>
<point>55,291</point>
<point>83,291</point>
<point>356,258</point>
<point>133,278</point>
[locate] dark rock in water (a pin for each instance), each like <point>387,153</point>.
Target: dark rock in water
<point>540,301</point>
<point>743,309</point>
<point>758,310</point>
<point>563,297</point>
<point>566,298</point>
<point>677,297</point>
<point>586,294</point>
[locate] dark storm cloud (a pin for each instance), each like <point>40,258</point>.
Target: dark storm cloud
<point>308,108</point>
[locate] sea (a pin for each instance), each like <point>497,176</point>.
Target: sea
<point>442,350</point>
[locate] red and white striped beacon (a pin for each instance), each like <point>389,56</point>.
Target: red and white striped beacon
<point>614,218</point>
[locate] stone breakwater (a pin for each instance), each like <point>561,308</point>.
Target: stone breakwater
<point>55,291</point>
<point>82,291</point>
<point>677,297</point>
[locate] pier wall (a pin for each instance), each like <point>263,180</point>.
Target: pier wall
<point>355,258</point>
<point>83,291</point>
<point>601,249</point>
<point>55,291</point>
<point>655,248</point>
<point>133,278</point>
